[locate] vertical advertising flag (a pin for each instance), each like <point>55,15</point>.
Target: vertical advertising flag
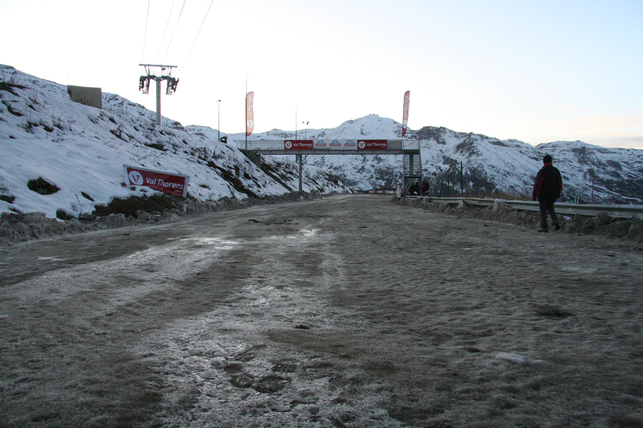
<point>405,114</point>
<point>250,115</point>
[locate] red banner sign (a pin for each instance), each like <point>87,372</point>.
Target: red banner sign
<point>250,113</point>
<point>298,144</point>
<point>405,113</point>
<point>173,184</point>
<point>372,144</point>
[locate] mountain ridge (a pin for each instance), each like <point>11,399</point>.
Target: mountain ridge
<point>591,174</point>
<point>81,151</point>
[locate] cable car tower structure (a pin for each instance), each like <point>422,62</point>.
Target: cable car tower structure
<point>151,74</point>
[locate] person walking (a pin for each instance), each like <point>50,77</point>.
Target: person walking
<point>547,188</point>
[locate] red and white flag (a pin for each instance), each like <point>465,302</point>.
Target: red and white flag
<point>405,115</point>
<point>250,115</point>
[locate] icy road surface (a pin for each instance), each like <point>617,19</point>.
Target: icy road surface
<point>349,311</point>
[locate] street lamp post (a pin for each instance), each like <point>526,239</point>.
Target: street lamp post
<point>301,159</point>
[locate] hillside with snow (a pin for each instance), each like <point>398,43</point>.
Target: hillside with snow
<point>58,156</point>
<point>509,166</point>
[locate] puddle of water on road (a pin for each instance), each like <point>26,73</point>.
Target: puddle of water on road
<point>216,243</point>
<point>576,269</point>
<point>310,232</point>
<point>50,259</point>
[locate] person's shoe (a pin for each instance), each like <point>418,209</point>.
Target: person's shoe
<point>543,230</point>
<point>557,226</point>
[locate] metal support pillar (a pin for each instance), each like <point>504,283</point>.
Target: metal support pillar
<point>301,169</point>
<point>412,169</point>
<point>158,101</point>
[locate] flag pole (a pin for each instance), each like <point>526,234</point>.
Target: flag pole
<point>246,108</point>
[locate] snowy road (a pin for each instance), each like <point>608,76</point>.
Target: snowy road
<point>343,312</point>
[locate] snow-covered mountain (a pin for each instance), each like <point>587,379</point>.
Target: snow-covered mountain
<point>72,157</point>
<point>488,165</point>
<point>509,166</point>
<point>59,156</point>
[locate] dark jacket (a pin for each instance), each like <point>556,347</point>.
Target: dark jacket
<point>548,185</point>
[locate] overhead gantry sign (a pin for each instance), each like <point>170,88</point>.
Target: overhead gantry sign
<point>333,147</point>
<point>330,146</point>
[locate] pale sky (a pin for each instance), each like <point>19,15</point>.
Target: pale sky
<point>535,71</point>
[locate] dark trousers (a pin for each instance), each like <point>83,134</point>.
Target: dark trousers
<point>547,207</point>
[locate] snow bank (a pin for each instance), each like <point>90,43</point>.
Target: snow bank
<point>24,227</point>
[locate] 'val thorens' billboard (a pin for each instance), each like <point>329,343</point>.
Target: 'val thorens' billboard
<point>174,184</point>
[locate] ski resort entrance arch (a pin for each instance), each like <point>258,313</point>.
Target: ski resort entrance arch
<point>409,149</point>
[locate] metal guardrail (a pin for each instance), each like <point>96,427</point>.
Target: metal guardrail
<point>564,208</point>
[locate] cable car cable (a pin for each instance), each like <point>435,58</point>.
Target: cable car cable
<point>174,32</point>
<point>147,17</point>
<point>197,36</point>
<point>165,31</point>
